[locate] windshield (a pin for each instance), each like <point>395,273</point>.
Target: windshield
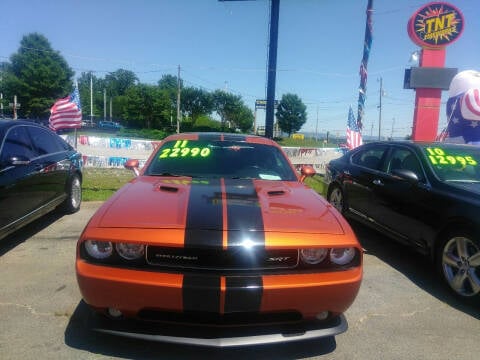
<point>215,159</point>
<point>461,164</point>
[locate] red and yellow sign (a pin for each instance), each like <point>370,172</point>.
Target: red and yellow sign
<point>435,25</point>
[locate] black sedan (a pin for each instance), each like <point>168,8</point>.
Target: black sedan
<point>425,195</point>
<point>39,172</point>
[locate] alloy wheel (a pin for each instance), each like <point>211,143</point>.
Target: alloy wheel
<point>336,199</point>
<point>461,265</point>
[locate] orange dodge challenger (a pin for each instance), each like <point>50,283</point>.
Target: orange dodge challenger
<point>218,242</point>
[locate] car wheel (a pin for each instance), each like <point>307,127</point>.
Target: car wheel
<point>74,195</point>
<point>458,262</point>
<point>336,198</point>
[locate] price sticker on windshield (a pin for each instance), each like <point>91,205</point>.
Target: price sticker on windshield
<point>181,149</point>
<point>438,156</point>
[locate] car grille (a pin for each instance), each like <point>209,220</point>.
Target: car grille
<point>237,258</point>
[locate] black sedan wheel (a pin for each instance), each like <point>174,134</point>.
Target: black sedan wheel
<point>336,198</point>
<point>459,262</point>
<point>74,198</point>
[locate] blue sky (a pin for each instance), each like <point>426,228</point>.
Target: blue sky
<point>224,45</point>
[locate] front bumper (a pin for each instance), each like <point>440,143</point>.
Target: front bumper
<point>283,307</point>
<point>219,337</point>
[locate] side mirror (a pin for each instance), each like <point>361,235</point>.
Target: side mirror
<point>132,164</point>
<point>306,171</point>
<point>19,160</point>
<point>407,175</point>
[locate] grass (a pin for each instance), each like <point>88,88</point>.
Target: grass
<point>318,184</point>
<point>100,183</point>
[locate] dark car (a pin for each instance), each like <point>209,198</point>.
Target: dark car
<point>109,125</point>
<point>218,242</point>
<point>39,172</point>
<point>426,195</point>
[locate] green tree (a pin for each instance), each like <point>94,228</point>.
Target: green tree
<point>118,82</point>
<point>229,107</point>
<point>95,93</point>
<point>38,75</point>
<point>196,102</point>
<point>168,84</point>
<point>243,118</point>
<point>146,107</point>
<point>291,113</point>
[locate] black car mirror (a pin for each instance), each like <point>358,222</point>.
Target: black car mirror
<point>406,174</point>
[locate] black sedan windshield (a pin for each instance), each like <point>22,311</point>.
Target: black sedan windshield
<point>230,159</point>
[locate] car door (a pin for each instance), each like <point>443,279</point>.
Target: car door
<point>397,205</point>
<point>18,176</point>
<point>52,164</point>
<point>363,169</point>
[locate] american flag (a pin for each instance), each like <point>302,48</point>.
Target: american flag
<point>66,113</point>
<point>354,136</point>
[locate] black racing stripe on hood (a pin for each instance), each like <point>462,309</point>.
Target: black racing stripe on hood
<point>204,215</point>
<point>243,294</point>
<point>244,214</point>
<point>201,293</point>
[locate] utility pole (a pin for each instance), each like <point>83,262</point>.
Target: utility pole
<point>380,111</point>
<point>15,105</point>
<point>178,101</point>
<point>393,124</point>
<point>105,104</point>
<point>91,98</point>
<point>272,68</point>
<point>110,108</point>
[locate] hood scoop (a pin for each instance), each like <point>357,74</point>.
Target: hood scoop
<point>276,192</point>
<point>171,189</point>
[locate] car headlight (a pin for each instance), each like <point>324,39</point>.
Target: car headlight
<point>342,256</point>
<point>130,251</point>
<point>313,256</point>
<point>99,249</point>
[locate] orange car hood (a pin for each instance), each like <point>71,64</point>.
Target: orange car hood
<point>218,204</point>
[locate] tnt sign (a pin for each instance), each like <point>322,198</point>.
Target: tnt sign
<point>435,25</point>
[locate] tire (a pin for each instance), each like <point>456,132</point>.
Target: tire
<point>74,195</point>
<point>458,264</point>
<point>337,198</point>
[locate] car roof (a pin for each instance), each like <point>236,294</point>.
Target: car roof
<point>422,144</point>
<point>5,124</point>
<point>220,136</point>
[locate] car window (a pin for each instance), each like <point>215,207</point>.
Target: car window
<point>232,159</point>
<point>370,158</point>
<point>45,142</point>
<point>403,158</point>
<point>17,143</point>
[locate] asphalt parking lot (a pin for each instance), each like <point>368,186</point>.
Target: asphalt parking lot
<point>401,311</point>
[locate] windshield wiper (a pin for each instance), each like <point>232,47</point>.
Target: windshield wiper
<point>468,181</point>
